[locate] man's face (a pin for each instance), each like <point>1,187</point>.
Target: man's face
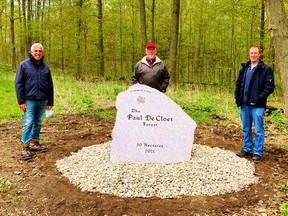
<point>254,55</point>
<point>37,53</point>
<point>150,52</point>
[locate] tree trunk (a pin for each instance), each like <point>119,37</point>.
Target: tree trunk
<point>22,39</point>
<point>278,28</point>
<point>134,27</point>
<point>153,21</point>
<point>12,30</point>
<point>174,40</point>
<point>121,41</point>
<point>232,73</point>
<point>29,22</point>
<point>79,5</point>
<point>262,26</point>
<point>143,22</point>
<point>100,38</point>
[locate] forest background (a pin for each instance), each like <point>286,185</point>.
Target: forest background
<point>201,41</point>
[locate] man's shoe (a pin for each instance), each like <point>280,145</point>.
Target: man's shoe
<point>244,154</point>
<point>26,154</point>
<point>257,158</point>
<point>35,146</point>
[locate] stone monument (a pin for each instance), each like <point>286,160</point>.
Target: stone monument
<point>150,127</point>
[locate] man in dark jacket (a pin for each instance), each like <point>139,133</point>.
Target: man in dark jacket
<point>151,71</point>
<point>254,84</point>
<point>34,89</point>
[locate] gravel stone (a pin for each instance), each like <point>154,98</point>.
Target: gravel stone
<point>210,171</point>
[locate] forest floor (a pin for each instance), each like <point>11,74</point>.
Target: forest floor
<point>38,188</point>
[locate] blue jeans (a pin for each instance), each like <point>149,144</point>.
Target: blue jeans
<point>255,115</point>
<point>33,117</point>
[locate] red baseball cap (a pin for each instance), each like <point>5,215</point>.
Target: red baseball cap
<point>150,44</point>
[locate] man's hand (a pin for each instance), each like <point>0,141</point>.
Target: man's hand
<point>22,107</point>
<point>48,107</point>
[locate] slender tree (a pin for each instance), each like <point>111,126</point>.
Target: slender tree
<point>232,45</point>
<point>133,35</point>
<point>153,9</point>
<point>121,39</point>
<point>100,38</point>
<point>174,40</point>
<point>62,39</point>
<point>278,28</point>
<point>21,39</point>
<point>143,22</point>
<point>262,26</point>
<point>29,24</point>
<point>12,30</point>
<point>79,5</point>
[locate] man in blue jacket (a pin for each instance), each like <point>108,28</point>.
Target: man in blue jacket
<point>254,84</point>
<point>35,94</point>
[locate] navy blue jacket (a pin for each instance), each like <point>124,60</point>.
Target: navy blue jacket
<point>34,81</point>
<point>260,87</point>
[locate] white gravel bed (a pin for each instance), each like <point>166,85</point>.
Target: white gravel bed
<point>211,171</point>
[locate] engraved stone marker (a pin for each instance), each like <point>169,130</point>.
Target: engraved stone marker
<point>150,127</point>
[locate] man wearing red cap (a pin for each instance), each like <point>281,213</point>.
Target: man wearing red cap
<point>151,71</point>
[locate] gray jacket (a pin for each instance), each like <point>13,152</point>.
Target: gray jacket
<point>156,77</point>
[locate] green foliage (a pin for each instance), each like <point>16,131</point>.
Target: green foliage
<point>10,109</point>
<point>204,105</point>
<point>3,187</point>
<point>14,198</point>
<point>198,115</point>
<point>70,37</point>
<point>284,209</point>
<point>87,101</point>
<point>71,96</point>
<point>280,121</point>
<point>11,192</point>
<point>285,188</point>
<point>5,68</point>
<point>284,206</point>
<point>117,89</point>
<point>84,97</point>
<point>107,114</point>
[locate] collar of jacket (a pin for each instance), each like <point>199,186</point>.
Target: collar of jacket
<point>33,59</point>
<point>247,64</point>
<point>143,60</point>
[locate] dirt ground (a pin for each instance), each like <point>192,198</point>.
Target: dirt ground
<point>45,191</point>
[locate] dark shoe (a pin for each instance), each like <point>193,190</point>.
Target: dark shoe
<point>257,158</point>
<point>244,154</point>
<point>35,146</point>
<point>26,154</point>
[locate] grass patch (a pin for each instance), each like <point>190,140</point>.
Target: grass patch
<point>284,209</point>
<point>11,192</point>
<point>3,187</point>
<point>10,109</point>
<point>279,121</point>
<point>284,206</point>
<point>203,104</point>
<point>107,114</point>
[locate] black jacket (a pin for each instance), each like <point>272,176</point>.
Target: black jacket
<point>34,81</point>
<point>260,87</point>
<point>156,77</point>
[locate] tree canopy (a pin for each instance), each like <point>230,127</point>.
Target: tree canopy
<point>104,39</point>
